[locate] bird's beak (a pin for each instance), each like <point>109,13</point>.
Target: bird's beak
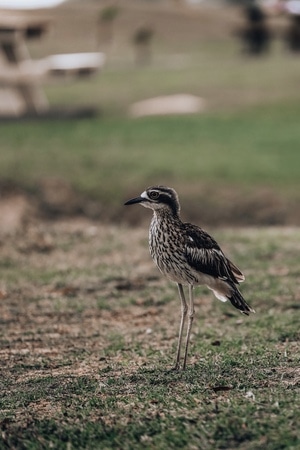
<point>135,200</point>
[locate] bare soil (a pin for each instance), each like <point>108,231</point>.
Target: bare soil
<point>206,205</point>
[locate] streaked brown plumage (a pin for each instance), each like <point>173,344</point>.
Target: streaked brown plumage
<point>188,255</point>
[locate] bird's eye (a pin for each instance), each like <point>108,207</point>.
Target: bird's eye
<point>154,195</point>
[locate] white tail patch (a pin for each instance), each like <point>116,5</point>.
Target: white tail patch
<point>221,289</point>
<point>220,296</point>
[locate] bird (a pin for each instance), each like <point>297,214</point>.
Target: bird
<point>188,256</point>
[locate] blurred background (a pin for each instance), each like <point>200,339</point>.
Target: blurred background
<point>203,96</point>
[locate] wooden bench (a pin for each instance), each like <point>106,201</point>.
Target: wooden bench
<point>21,78</point>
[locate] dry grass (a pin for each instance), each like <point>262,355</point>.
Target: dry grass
<point>89,330</point>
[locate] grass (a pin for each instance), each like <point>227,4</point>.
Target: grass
<point>77,373</point>
<point>246,141</point>
<point>88,327</point>
<point>243,150</point>
<point>103,159</point>
<point>226,168</point>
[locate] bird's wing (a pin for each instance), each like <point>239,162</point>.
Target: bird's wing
<point>204,254</point>
<point>236,271</point>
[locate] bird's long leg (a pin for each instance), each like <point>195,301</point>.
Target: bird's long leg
<point>184,309</point>
<point>190,323</point>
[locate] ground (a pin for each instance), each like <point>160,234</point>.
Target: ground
<point>88,337</point>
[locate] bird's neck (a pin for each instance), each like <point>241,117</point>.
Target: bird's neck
<point>165,215</point>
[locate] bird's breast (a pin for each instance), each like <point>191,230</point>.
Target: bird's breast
<point>167,249</point>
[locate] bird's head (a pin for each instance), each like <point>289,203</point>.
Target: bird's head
<point>158,198</point>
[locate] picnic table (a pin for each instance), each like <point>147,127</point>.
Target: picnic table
<point>21,77</point>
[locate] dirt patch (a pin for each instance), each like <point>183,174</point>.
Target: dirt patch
<point>55,198</point>
<point>14,212</point>
<point>227,205</point>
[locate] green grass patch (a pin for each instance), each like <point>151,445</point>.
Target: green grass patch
<point>230,161</point>
<point>105,158</point>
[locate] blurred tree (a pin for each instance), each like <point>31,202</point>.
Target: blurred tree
<point>105,26</point>
<point>255,34</point>
<point>237,2</point>
<point>293,33</point>
<point>142,42</point>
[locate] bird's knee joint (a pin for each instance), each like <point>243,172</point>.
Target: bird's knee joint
<point>191,315</point>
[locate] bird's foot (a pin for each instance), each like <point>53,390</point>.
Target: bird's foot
<point>175,368</point>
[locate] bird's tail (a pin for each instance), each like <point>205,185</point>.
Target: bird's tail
<point>228,291</point>
<point>239,302</point>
